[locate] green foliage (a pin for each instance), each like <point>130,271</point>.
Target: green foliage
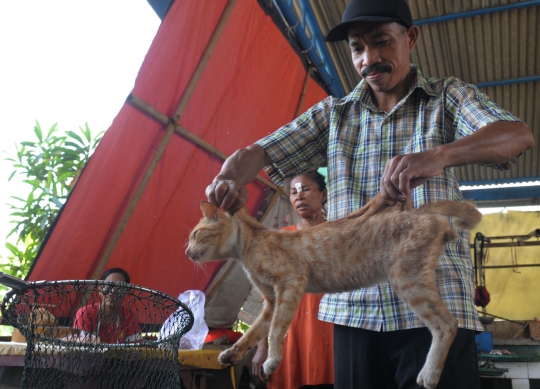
<point>240,326</point>
<point>50,165</point>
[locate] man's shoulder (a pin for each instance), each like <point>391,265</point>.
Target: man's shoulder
<point>437,86</point>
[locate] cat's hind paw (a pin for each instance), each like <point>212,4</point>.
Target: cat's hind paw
<point>270,365</point>
<point>428,379</point>
<point>229,356</point>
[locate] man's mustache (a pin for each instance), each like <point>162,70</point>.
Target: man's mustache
<point>378,67</point>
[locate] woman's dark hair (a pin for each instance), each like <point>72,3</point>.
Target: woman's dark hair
<point>119,270</point>
<point>317,178</point>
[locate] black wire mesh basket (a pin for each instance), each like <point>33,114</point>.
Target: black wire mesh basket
<point>96,334</point>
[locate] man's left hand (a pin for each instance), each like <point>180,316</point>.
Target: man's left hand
<point>403,173</point>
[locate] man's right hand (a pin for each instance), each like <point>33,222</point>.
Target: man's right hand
<point>228,189</point>
<point>228,194</point>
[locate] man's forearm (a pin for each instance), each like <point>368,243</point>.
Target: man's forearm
<point>493,144</point>
<point>244,165</point>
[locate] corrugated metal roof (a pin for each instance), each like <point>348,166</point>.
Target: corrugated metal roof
<point>500,45</point>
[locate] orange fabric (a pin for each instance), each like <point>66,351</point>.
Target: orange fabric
<point>308,348</point>
<point>249,88</point>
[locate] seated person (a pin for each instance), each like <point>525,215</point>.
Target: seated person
<point>108,319</point>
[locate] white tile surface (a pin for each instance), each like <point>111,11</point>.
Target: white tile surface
<point>515,369</point>
<point>534,370</point>
<point>520,384</point>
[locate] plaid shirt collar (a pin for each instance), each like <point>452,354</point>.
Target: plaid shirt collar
<point>362,91</point>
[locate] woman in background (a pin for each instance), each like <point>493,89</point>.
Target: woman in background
<point>108,319</point>
<point>308,348</point>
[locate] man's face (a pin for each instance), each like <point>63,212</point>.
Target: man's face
<point>381,53</point>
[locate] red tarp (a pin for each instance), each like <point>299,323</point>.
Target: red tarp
<point>250,87</point>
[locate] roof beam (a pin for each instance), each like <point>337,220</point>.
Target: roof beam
<point>314,47</point>
<point>477,12</point>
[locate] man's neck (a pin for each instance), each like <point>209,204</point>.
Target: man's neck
<point>386,101</point>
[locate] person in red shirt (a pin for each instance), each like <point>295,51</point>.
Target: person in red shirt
<point>108,319</point>
<point>308,348</point>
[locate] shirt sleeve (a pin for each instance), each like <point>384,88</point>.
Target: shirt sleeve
<point>472,110</point>
<point>300,145</point>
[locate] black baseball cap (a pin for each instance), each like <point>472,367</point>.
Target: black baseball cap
<point>371,11</point>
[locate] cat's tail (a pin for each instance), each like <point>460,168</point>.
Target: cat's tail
<point>466,216</point>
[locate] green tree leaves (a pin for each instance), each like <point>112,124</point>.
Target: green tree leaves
<point>50,166</point>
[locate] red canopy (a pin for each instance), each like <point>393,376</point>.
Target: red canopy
<point>250,86</point>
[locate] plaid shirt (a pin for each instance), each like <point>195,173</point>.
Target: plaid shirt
<point>355,140</point>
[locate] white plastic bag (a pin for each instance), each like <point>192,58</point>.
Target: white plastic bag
<point>194,339</point>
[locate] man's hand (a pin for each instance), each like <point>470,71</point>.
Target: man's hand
<point>228,194</point>
<point>228,189</point>
<point>403,173</point>
<point>259,358</point>
<point>494,143</point>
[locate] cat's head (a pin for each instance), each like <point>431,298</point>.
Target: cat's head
<point>213,237</point>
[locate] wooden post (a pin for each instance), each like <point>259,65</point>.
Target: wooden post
<point>165,140</point>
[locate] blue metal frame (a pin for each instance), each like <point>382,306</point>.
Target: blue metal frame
<point>508,81</point>
<point>477,12</point>
<point>498,182</point>
<point>161,7</point>
<point>315,48</point>
<point>499,194</point>
<point>495,194</point>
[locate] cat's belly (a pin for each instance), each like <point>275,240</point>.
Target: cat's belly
<point>343,282</point>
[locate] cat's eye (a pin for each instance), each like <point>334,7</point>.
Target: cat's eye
<point>195,233</point>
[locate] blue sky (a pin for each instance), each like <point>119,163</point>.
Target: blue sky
<point>66,61</point>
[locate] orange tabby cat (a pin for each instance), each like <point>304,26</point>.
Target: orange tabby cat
<point>377,243</point>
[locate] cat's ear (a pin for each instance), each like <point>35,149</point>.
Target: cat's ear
<point>208,210</point>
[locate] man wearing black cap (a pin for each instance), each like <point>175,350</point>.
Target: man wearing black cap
<point>398,133</point>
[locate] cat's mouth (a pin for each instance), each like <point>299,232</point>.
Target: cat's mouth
<point>195,256</point>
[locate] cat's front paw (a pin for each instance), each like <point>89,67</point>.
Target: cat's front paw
<point>270,365</point>
<point>229,356</point>
<point>428,378</point>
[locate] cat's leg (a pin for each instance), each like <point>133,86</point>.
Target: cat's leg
<point>417,288</point>
<point>257,331</point>
<point>288,296</point>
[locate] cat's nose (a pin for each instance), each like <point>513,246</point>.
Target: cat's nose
<point>191,255</point>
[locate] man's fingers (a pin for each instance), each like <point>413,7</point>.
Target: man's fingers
<point>228,195</point>
<point>239,201</point>
<point>224,194</point>
<point>221,190</point>
<point>389,189</point>
<point>210,195</point>
<point>230,201</point>
<point>403,181</point>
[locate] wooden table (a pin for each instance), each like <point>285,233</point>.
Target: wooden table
<point>192,363</point>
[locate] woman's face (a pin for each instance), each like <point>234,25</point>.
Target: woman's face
<point>106,297</point>
<point>307,201</point>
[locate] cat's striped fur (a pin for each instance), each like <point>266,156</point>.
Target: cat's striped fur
<point>376,243</point>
